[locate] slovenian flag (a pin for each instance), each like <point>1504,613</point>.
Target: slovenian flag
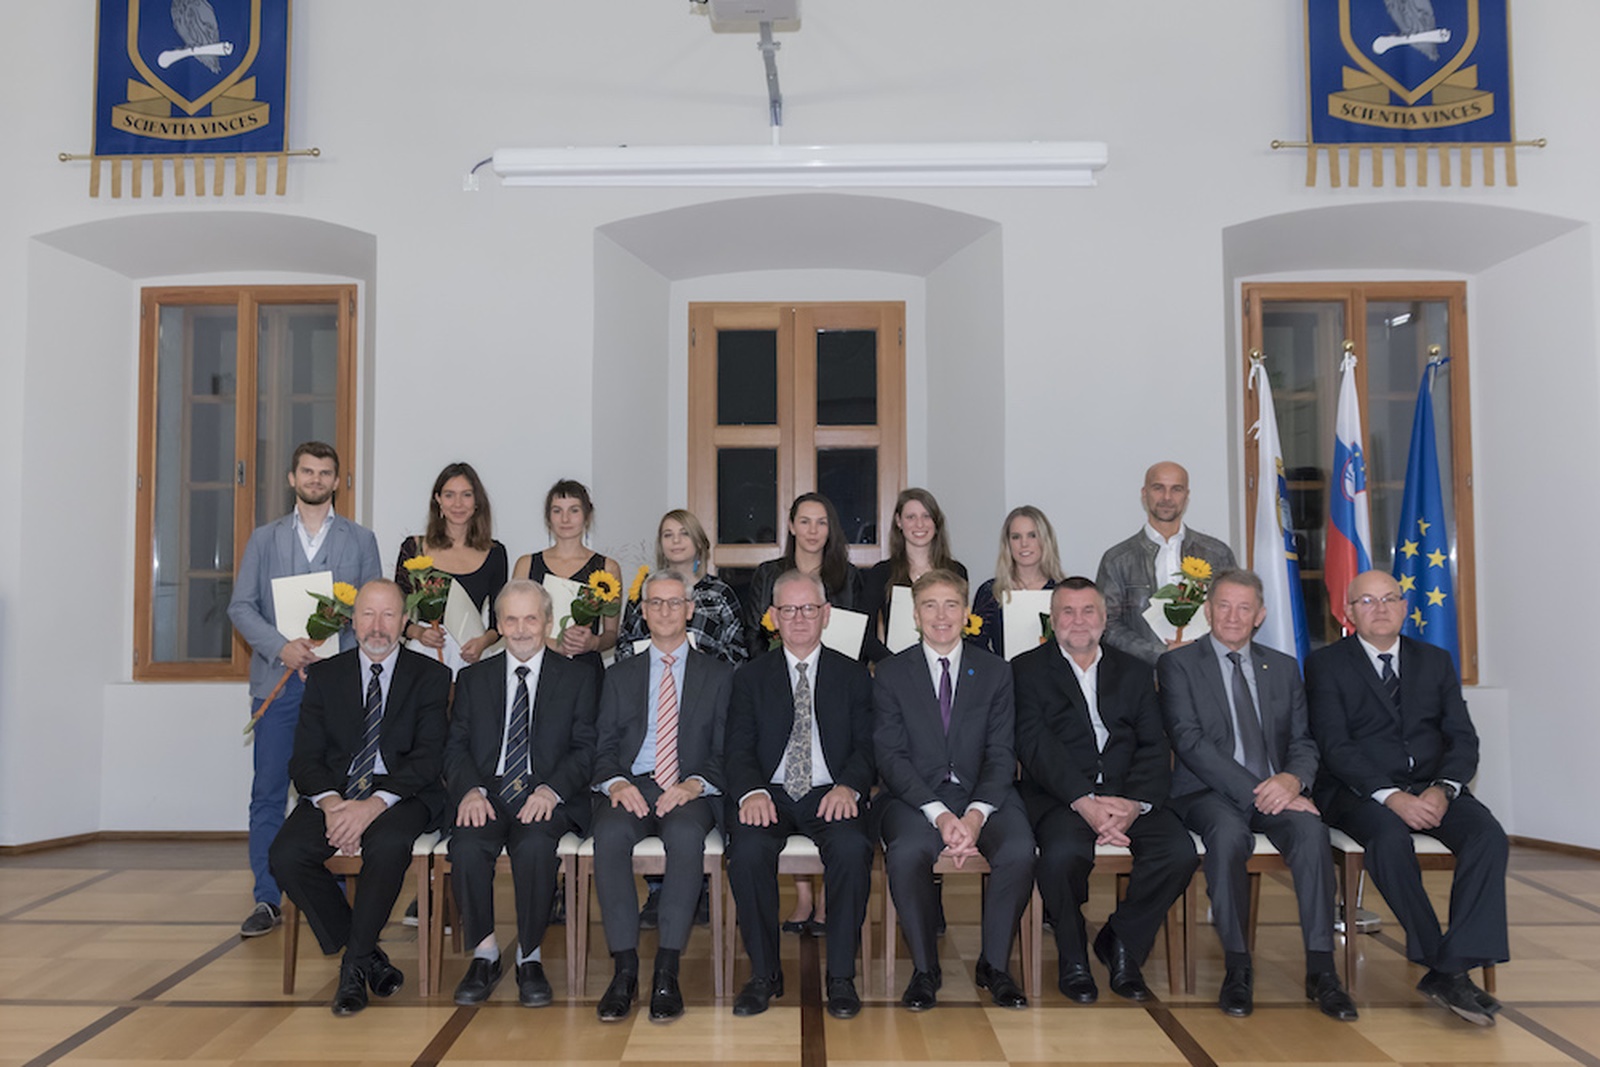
<point>1422,545</point>
<point>1276,559</point>
<point>1349,520</point>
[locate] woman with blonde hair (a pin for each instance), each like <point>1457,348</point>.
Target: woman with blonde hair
<point>716,627</point>
<point>1028,560</point>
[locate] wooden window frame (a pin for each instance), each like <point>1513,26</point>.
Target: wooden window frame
<point>248,300</point>
<point>796,433</point>
<point>1356,296</point>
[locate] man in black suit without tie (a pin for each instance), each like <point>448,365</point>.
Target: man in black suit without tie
<point>798,757</point>
<point>368,751</point>
<point>1398,750</point>
<point>944,737</point>
<point>1236,713</point>
<point>1096,769</point>
<point>517,768</point>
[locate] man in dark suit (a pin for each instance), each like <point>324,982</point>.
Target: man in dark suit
<point>658,764</point>
<point>944,737</point>
<point>1096,769</point>
<point>311,538</point>
<point>1398,750</point>
<point>368,752</point>
<point>517,769</point>
<point>1236,713</point>
<point>799,760</point>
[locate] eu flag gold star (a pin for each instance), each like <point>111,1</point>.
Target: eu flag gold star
<point>1436,558</point>
<point>1435,597</point>
<point>1423,524</point>
<point>1416,617</point>
<point>1409,549</point>
<point>1408,583</point>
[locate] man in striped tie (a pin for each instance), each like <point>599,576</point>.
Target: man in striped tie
<point>517,771</point>
<point>658,763</point>
<point>368,751</point>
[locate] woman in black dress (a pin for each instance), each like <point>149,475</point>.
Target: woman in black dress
<point>568,515</point>
<point>918,543</point>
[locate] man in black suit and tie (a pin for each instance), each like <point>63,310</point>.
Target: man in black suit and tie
<point>1236,713</point>
<point>799,760</point>
<point>517,767</point>
<point>1096,769</point>
<point>368,752</point>
<point>658,764</point>
<point>944,737</point>
<point>1398,750</point>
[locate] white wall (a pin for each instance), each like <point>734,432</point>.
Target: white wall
<point>1112,306</point>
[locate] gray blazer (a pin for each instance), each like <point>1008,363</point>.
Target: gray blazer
<point>626,706</point>
<point>1127,578</point>
<point>1199,719</point>
<point>352,553</point>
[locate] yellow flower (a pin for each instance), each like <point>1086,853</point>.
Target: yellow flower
<point>767,624</point>
<point>637,587</point>
<point>605,585</point>
<point>418,563</point>
<point>974,625</point>
<point>1196,568</point>
<point>344,592</point>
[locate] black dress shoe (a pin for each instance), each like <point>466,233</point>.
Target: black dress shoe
<point>618,1000</point>
<point>922,991</point>
<point>1486,1000</point>
<point>351,996</point>
<point>383,977</point>
<point>1078,984</point>
<point>1127,980</point>
<point>1324,988</point>
<point>753,998</point>
<point>1455,991</point>
<point>843,1000</point>
<point>1001,986</point>
<point>796,926</point>
<point>533,988</point>
<point>666,1002</point>
<point>479,981</point>
<point>1237,998</point>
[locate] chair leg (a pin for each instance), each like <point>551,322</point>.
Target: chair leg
<point>422,871</point>
<point>1488,978</point>
<point>720,956</point>
<point>1173,931</point>
<point>1191,919</point>
<point>1350,872</point>
<point>291,943</point>
<point>1255,909</point>
<point>891,937</point>
<point>569,875</point>
<point>443,905</point>
<point>730,934</point>
<point>1033,966</point>
<point>585,883</point>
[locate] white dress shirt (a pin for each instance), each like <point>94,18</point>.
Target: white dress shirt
<point>936,808</point>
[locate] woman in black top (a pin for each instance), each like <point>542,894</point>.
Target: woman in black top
<point>568,514</point>
<point>815,545</point>
<point>918,543</point>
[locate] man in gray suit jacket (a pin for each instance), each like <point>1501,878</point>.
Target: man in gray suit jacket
<point>1236,712</point>
<point>658,763</point>
<point>309,539</point>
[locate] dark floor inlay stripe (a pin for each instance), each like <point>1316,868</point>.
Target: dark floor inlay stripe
<point>82,1037</point>
<point>1558,894</point>
<point>190,968</point>
<point>1179,1036</point>
<point>813,1026</point>
<point>446,1037</point>
<point>1550,1037</point>
<point>58,894</point>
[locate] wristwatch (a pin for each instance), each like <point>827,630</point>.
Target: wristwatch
<point>1450,789</point>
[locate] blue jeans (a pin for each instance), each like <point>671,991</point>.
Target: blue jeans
<point>269,790</point>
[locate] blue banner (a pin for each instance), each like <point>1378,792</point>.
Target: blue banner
<point>1409,72</point>
<point>191,77</point>
<point>1422,544</point>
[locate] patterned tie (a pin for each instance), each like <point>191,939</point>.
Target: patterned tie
<point>514,783</point>
<point>667,726</point>
<point>1390,680</point>
<point>947,693</point>
<point>1249,723</point>
<point>365,766</point>
<point>797,757</point>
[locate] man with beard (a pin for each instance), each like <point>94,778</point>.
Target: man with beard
<point>1132,570</point>
<point>368,755</point>
<point>309,539</point>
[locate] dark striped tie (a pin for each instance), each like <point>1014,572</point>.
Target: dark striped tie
<point>364,769</point>
<point>1390,680</point>
<point>514,783</point>
<point>1251,739</point>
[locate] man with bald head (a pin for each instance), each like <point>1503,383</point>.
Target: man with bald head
<point>1398,752</point>
<point>1132,570</point>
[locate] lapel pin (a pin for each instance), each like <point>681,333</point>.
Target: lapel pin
<point>971,672</point>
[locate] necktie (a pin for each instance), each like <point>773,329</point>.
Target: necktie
<point>667,726</point>
<point>797,757</point>
<point>366,761</point>
<point>947,692</point>
<point>514,783</point>
<point>1248,722</point>
<point>1390,680</point>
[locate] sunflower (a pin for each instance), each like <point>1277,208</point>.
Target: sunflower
<point>344,592</point>
<point>637,587</point>
<point>974,625</point>
<point>605,585</point>
<point>418,563</point>
<point>1196,568</point>
<point>767,623</point>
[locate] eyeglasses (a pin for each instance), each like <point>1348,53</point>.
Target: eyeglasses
<point>1369,601</point>
<point>661,603</point>
<point>804,611</point>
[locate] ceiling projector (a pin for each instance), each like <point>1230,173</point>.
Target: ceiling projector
<point>749,12</point>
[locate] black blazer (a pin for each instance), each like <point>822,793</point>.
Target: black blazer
<point>563,732</point>
<point>411,737</point>
<point>1056,742</point>
<point>1199,720</point>
<point>908,739</point>
<point>626,705</point>
<point>1365,743</point>
<point>761,717</point>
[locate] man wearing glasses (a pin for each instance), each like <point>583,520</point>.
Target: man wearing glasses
<point>1398,752</point>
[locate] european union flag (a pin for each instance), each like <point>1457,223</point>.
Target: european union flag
<point>1422,547</point>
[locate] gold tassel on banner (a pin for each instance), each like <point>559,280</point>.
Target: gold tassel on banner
<point>116,179</point>
<point>199,176</point>
<point>1453,169</point>
<point>1333,167</point>
<point>1377,167</point>
<point>1444,166</point>
<point>1355,166</point>
<point>283,173</point>
<point>138,177</point>
<point>1488,164</point>
<point>238,175</point>
<point>261,175</point>
<point>219,168</point>
<point>1511,164</point>
<point>1465,155</point>
<point>158,168</point>
<point>218,180</point>
<point>94,177</point>
<point>1422,166</point>
<point>178,176</point>
<point>1400,166</point>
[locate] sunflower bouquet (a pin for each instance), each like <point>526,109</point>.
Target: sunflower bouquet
<point>636,589</point>
<point>332,614</point>
<point>769,627</point>
<point>430,590</point>
<point>598,598</point>
<point>1186,592</point>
